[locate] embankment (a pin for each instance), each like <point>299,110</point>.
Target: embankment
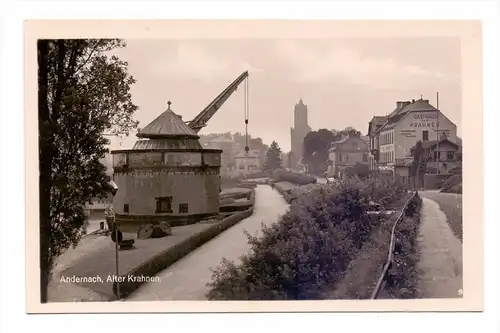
<point>172,254</point>
<point>361,276</point>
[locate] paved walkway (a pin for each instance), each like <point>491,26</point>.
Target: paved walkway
<point>187,278</point>
<point>440,265</point>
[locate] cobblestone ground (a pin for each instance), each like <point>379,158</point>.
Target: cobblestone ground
<point>440,265</point>
<point>186,279</point>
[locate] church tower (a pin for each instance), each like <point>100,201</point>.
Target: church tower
<point>297,133</point>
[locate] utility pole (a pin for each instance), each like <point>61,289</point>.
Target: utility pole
<point>437,133</point>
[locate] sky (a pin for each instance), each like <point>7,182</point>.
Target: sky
<point>344,82</point>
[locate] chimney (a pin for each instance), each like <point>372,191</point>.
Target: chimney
<point>399,104</point>
<point>426,101</point>
<point>412,101</point>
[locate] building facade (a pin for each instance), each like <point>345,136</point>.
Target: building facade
<point>230,149</point>
<point>346,153</point>
<point>298,133</point>
<point>393,136</point>
<point>441,156</point>
<point>247,164</point>
<point>166,176</point>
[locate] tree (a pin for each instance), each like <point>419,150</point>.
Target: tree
<point>83,92</point>
<point>417,167</point>
<point>316,146</point>
<point>273,157</point>
<point>350,131</point>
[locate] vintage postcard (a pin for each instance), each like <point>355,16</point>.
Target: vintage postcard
<point>246,165</point>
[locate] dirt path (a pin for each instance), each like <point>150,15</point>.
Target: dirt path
<point>440,265</point>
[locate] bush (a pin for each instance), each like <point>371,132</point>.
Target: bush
<point>260,174</point>
<point>292,177</point>
<point>402,278</point>
<point>452,183</point>
<point>305,252</point>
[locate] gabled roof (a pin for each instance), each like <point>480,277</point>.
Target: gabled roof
<point>376,120</point>
<point>433,143</point>
<point>403,109</point>
<point>335,144</point>
<point>168,124</point>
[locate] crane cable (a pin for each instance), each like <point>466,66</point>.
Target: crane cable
<point>247,111</point>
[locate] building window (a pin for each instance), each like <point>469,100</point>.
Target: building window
<point>365,157</point>
<point>450,156</point>
<point>183,208</point>
<point>425,135</point>
<point>125,208</point>
<point>164,205</point>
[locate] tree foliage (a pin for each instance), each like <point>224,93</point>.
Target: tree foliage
<point>83,92</point>
<point>317,144</point>
<point>417,168</point>
<point>273,157</point>
<point>306,252</point>
<point>350,131</point>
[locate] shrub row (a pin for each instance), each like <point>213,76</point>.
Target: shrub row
<point>402,277</point>
<point>452,185</point>
<point>260,174</point>
<point>292,177</point>
<point>361,275</point>
<point>305,253</point>
<point>176,252</point>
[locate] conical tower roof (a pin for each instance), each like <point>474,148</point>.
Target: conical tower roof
<point>167,125</point>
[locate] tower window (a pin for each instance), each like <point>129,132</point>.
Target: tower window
<point>183,208</point>
<point>164,205</point>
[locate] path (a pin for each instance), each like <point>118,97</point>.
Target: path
<point>187,278</point>
<point>451,205</point>
<point>440,265</point>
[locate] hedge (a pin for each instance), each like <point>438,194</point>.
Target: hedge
<point>452,184</point>
<point>402,278</point>
<point>168,257</point>
<point>305,253</point>
<point>292,177</point>
<point>361,276</point>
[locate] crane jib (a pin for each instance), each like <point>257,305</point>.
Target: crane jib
<point>204,116</point>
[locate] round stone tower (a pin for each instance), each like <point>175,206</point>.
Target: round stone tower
<point>166,176</point>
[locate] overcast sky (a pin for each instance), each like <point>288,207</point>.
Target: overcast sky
<point>344,82</point>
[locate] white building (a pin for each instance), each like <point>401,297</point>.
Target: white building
<point>247,164</point>
<point>392,137</point>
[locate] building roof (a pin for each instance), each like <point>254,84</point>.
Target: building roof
<point>403,108</point>
<point>168,124</point>
<point>376,120</point>
<point>433,143</point>
<point>220,139</point>
<point>365,140</point>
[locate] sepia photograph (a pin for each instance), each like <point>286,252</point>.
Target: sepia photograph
<point>252,166</point>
